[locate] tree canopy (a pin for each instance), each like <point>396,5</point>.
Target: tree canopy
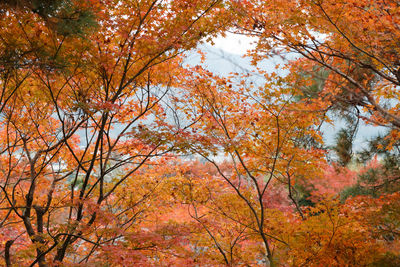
<point>113,151</point>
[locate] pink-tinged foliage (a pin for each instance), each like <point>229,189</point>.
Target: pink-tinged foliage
<point>335,179</point>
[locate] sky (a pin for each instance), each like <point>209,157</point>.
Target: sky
<point>234,43</point>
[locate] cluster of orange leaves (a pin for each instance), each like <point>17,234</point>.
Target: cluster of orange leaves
<point>93,129</point>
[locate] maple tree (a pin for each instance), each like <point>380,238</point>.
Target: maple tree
<point>114,152</point>
<point>77,113</point>
<point>347,60</point>
<point>259,131</point>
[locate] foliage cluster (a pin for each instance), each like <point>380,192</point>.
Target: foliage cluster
<point>113,152</point>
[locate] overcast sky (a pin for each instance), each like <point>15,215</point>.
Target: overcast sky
<point>234,43</point>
